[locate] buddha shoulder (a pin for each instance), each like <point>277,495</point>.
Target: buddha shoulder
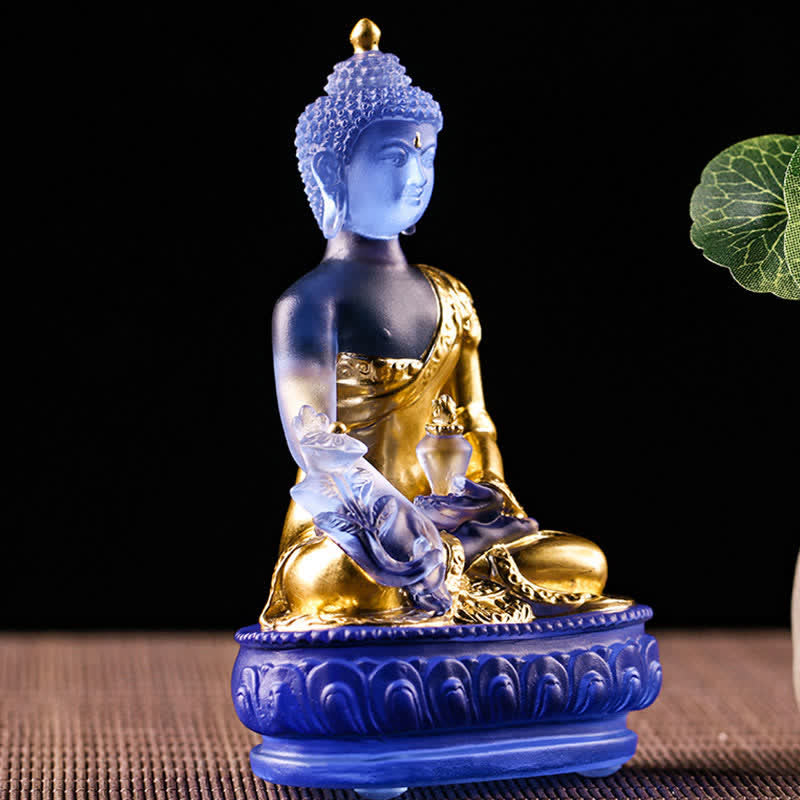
<point>450,286</point>
<point>315,286</point>
<point>306,309</point>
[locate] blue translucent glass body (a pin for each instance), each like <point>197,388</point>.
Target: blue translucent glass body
<point>357,507</point>
<point>363,298</point>
<point>366,153</point>
<point>382,343</point>
<point>390,178</point>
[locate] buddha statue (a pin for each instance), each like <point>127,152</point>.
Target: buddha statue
<point>365,345</point>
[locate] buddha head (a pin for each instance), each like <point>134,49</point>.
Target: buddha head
<point>366,149</point>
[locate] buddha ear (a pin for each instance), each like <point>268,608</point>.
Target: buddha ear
<point>327,173</point>
<point>326,168</point>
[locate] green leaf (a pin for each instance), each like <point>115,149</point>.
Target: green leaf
<point>740,215</point>
<point>791,191</point>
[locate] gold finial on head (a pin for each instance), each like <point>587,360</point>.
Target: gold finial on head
<point>365,36</point>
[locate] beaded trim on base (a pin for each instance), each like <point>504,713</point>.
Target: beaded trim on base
<point>559,626</point>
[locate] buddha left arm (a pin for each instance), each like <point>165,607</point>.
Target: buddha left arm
<point>486,464</point>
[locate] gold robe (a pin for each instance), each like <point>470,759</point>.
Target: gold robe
<point>385,403</point>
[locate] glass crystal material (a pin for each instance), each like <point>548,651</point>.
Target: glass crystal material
<point>443,459</point>
<point>378,529</point>
<point>357,507</point>
<point>400,643</point>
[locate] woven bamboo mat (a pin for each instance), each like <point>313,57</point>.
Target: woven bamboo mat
<point>150,716</point>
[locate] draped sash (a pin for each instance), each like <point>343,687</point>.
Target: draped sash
<point>386,402</point>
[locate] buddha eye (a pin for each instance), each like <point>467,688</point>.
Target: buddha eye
<point>395,156</point>
<point>427,159</point>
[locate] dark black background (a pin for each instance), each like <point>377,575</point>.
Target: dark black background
<point>642,397</point>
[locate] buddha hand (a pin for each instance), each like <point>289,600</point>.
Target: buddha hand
<point>375,525</point>
<point>475,516</point>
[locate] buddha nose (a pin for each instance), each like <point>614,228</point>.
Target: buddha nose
<point>416,175</point>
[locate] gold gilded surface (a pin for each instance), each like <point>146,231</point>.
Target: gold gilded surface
<point>386,403</point>
<point>365,36</point>
<point>561,562</point>
<point>444,417</point>
<point>322,579</point>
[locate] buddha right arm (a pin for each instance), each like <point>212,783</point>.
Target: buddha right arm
<point>347,498</point>
<point>304,356</point>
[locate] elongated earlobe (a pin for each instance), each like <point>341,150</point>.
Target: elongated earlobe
<point>333,213</point>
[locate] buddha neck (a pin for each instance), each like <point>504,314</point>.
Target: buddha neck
<point>349,246</point>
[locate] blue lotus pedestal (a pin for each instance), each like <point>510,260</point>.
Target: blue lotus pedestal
<point>379,709</point>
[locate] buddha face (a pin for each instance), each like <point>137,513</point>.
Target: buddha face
<point>390,177</point>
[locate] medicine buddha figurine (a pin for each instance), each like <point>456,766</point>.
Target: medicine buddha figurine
<point>368,350</point>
